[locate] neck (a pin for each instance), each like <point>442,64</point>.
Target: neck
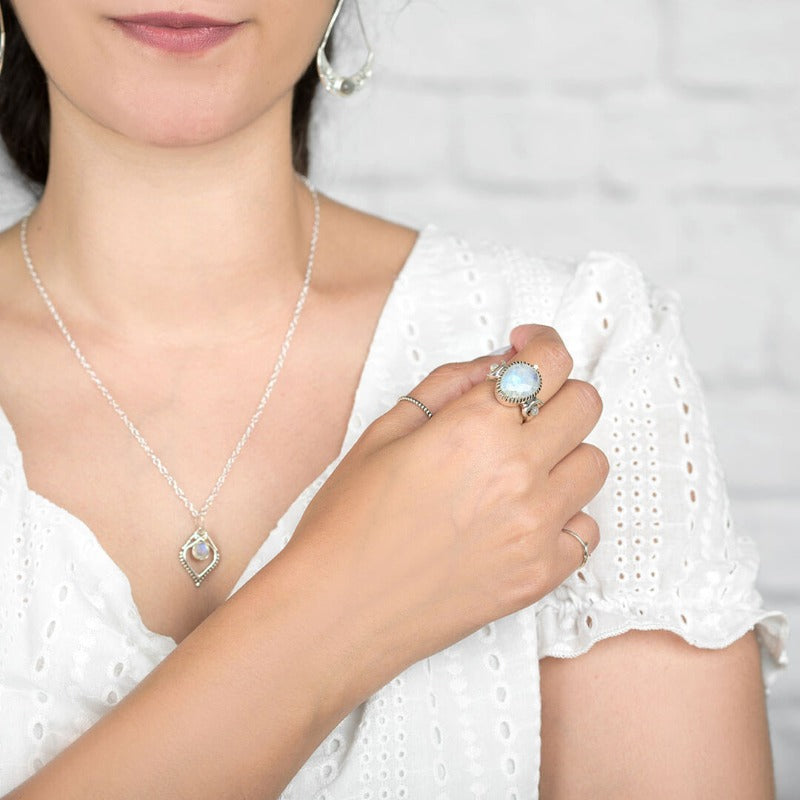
<point>201,241</point>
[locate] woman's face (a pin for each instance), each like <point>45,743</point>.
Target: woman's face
<point>161,97</point>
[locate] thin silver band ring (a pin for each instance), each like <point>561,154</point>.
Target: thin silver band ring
<point>416,403</point>
<point>583,544</point>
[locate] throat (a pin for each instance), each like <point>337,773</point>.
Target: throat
<point>179,283</point>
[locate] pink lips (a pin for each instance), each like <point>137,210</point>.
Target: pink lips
<point>177,33</point>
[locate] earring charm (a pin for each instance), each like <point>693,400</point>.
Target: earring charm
<point>343,85</point>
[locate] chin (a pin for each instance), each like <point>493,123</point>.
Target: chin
<point>166,122</point>
<point>189,130</point>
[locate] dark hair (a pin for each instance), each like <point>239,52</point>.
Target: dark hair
<point>25,107</point>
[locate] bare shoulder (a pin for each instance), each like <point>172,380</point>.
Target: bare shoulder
<point>645,714</point>
<point>367,248</point>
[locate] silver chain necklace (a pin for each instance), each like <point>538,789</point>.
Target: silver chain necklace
<point>199,546</point>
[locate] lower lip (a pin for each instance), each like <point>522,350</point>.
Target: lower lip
<point>178,40</point>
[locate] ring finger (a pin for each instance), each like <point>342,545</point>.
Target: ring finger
<point>577,479</point>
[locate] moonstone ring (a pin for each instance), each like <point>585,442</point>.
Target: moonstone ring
<point>517,383</point>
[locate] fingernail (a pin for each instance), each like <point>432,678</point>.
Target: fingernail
<point>501,351</point>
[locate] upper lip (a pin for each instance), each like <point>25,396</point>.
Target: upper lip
<point>174,19</point>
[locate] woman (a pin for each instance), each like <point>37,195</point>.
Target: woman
<point>382,639</point>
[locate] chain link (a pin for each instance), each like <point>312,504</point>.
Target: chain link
<point>197,515</point>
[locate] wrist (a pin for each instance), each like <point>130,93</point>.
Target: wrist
<point>344,641</point>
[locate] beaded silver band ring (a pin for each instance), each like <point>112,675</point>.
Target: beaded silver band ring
<point>416,403</point>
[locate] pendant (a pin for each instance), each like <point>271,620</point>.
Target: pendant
<point>199,547</point>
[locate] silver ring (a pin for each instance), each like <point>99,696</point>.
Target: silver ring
<point>517,382</point>
<point>416,403</point>
<point>584,545</point>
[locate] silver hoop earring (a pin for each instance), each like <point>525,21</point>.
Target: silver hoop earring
<point>2,39</point>
<point>342,85</point>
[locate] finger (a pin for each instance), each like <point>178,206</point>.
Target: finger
<point>439,388</point>
<point>451,382</point>
<point>570,550</point>
<point>577,479</point>
<point>544,349</point>
<point>521,335</point>
<point>564,421</point>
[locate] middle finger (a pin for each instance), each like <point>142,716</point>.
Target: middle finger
<point>565,420</point>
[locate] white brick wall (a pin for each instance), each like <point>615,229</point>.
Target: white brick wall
<point>738,45</point>
<point>666,128</point>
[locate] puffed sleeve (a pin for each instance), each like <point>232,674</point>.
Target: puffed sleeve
<point>670,555</point>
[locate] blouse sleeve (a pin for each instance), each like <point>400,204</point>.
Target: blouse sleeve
<point>670,556</point>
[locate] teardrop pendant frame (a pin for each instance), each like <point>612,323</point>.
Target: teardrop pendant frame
<point>200,534</point>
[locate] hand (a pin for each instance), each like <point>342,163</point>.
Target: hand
<point>430,528</point>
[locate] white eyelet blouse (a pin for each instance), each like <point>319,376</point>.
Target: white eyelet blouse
<point>465,721</point>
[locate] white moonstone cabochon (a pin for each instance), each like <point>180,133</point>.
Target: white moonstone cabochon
<point>201,551</point>
<point>520,381</point>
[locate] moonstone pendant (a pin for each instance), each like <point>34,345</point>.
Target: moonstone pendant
<point>199,547</point>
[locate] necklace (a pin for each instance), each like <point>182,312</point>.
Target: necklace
<point>200,547</point>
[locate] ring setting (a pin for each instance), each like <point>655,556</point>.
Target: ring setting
<point>517,383</point>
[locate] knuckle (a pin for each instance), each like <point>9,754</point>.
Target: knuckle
<point>461,429</point>
<point>522,335</point>
<point>382,427</point>
<point>522,575</point>
<point>530,517</point>
<point>464,420</point>
<point>469,438</point>
<point>376,427</point>
<point>598,458</point>
<point>588,397</point>
<point>452,374</point>
<point>550,332</point>
<point>522,519</point>
<point>555,354</point>
<point>445,371</point>
<point>511,474</point>
<point>536,566</point>
<point>530,328</point>
<point>541,575</point>
<point>520,593</point>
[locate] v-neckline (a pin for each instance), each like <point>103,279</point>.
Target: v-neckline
<point>416,254</point>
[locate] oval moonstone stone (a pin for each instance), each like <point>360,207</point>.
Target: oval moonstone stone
<point>201,551</point>
<point>519,381</point>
